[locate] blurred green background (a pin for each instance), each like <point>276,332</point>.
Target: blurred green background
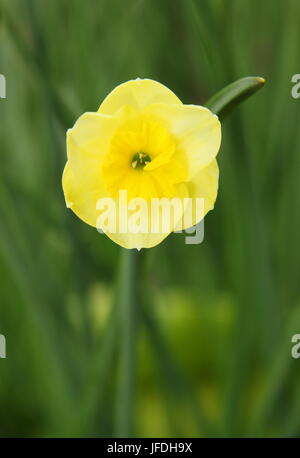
<point>216,360</point>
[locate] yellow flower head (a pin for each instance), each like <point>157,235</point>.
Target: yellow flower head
<point>142,146</point>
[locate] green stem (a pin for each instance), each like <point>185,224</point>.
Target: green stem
<point>128,304</point>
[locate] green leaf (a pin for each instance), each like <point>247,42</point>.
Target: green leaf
<point>235,93</point>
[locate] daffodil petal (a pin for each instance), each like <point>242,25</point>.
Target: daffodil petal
<point>196,130</point>
<point>137,241</point>
<point>204,185</point>
<point>138,94</point>
<point>83,204</point>
<point>93,132</point>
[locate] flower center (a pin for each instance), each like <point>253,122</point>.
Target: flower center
<point>139,160</point>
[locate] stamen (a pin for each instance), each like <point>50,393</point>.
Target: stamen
<point>139,160</point>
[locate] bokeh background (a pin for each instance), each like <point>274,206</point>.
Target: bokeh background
<point>216,361</point>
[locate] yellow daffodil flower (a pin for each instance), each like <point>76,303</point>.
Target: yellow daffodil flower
<point>143,141</point>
